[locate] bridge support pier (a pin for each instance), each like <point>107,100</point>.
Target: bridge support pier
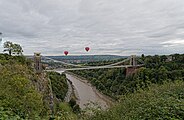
<point>131,70</point>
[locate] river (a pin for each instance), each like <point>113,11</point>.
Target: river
<point>86,93</point>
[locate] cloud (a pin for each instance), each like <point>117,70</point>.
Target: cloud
<point>120,27</point>
<point>173,43</point>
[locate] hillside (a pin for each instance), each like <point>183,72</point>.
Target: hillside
<point>157,69</point>
<point>19,90</point>
<point>160,102</point>
<point>26,95</point>
<point>154,92</point>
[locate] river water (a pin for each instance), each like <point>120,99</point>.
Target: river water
<point>86,93</point>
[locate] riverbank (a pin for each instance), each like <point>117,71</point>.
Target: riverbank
<point>106,99</point>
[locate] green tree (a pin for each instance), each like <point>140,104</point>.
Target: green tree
<point>12,48</point>
<point>162,74</point>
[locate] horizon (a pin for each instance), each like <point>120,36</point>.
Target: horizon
<point>102,55</point>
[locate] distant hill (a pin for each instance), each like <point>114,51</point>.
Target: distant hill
<point>86,58</point>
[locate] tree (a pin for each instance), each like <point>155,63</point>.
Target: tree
<point>17,49</point>
<point>12,48</point>
<point>162,74</point>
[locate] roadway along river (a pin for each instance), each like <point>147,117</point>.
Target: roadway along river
<point>86,93</point>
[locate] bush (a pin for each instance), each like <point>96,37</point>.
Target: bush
<point>159,102</point>
<point>64,112</point>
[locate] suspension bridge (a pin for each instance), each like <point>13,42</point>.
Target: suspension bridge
<point>130,68</point>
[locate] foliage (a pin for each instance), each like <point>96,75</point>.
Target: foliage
<point>19,98</point>
<point>106,80</point>
<point>59,84</point>
<point>160,102</point>
<point>64,112</point>
<point>17,92</point>
<point>12,48</point>
<point>114,83</point>
<point>74,105</point>
<point>8,115</point>
<point>91,109</point>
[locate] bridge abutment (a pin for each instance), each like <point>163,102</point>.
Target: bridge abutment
<point>131,70</point>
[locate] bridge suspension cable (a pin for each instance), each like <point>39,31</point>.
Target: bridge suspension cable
<point>74,65</point>
<point>99,67</point>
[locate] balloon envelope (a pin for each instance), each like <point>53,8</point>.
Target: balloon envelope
<point>87,49</point>
<point>66,52</point>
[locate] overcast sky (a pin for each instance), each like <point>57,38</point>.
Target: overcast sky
<point>119,27</point>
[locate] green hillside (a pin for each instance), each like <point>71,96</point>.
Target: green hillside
<point>18,95</point>
<point>154,92</point>
<point>26,95</point>
<point>160,102</point>
<point>157,70</point>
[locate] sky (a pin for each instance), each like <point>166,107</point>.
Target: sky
<point>117,27</point>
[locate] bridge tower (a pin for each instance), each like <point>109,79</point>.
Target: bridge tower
<point>133,60</point>
<point>37,62</point>
<point>132,69</point>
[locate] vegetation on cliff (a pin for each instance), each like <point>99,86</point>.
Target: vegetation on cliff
<point>154,92</point>
<point>59,84</point>
<point>160,102</point>
<point>17,93</point>
<point>157,69</point>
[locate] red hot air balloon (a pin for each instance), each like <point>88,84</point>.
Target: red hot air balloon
<point>87,49</point>
<point>66,52</point>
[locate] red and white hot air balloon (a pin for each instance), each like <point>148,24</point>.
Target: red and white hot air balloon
<point>87,49</point>
<point>66,52</point>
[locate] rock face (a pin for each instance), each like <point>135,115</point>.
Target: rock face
<point>69,93</point>
<point>42,84</point>
<point>131,70</point>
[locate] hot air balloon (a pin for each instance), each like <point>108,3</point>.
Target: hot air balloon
<point>66,52</point>
<point>87,49</point>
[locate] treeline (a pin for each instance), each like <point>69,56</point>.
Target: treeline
<point>103,62</point>
<point>157,69</point>
<point>87,58</point>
